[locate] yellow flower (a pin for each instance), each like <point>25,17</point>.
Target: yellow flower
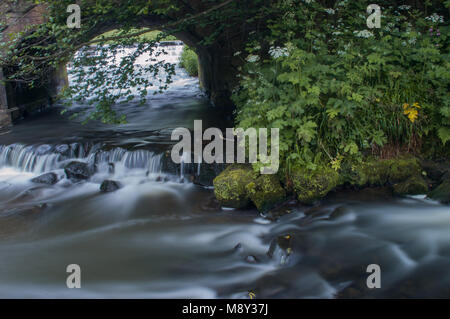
<point>412,114</point>
<point>411,111</point>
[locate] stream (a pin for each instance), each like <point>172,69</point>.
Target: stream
<point>163,236</point>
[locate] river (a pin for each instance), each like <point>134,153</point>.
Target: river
<point>162,236</point>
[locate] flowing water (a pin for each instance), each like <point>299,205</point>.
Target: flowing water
<point>161,236</point>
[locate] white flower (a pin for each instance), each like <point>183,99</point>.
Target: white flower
<point>237,53</point>
<point>363,34</point>
<point>330,11</point>
<point>252,58</point>
<point>308,1</point>
<point>435,18</point>
<point>404,7</point>
<point>412,41</point>
<point>337,33</point>
<point>278,52</point>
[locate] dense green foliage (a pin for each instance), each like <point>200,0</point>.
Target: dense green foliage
<point>189,61</point>
<point>339,91</point>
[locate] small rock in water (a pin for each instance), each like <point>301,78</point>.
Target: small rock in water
<point>238,247</point>
<point>49,179</point>
<point>43,149</point>
<point>78,171</point>
<point>109,186</point>
<point>251,259</point>
<point>210,204</point>
<point>281,247</point>
<point>159,179</point>
<point>62,149</point>
<point>111,168</point>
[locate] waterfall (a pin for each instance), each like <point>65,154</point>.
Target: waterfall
<point>43,158</point>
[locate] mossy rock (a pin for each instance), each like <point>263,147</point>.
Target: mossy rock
<point>442,192</point>
<point>312,185</point>
<point>373,173</point>
<point>414,185</point>
<point>402,169</point>
<point>265,192</point>
<point>381,172</point>
<point>230,185</point>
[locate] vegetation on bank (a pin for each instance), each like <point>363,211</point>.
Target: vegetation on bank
<point>355,107</point>
<point>339,91</point>
<point>189,61</point>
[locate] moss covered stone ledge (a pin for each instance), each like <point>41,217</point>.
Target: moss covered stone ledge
<point>312,185</point>
<point>239,185</point>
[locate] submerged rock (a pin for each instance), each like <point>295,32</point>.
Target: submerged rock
<point>48,178</point>
<point>414,185</point>
<point>442,192</point>
<point>109,186</point>
<point>265,192</point>
<point>251,259</point>
<point>111,168</point>
<point>310,186</point>
<point>63,149</point>
<point>280,248</point>
<point>78,171</point>
<point>230,185</point>
<point>43,149</point>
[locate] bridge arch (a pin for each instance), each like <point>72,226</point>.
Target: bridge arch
<point>217,64</point>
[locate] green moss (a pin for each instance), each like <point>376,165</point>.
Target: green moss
<point>312,185</point>
<point>403,168</point>
<point>376,172</point>
<point>265,192</point>
<point>442,192</point>
<point>414,185</point>
<point>230,185</point>
<point>373,173</point>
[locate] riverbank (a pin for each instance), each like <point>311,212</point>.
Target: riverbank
<point>239,186</point>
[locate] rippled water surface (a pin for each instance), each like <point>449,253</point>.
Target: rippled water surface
<point>161,236</point>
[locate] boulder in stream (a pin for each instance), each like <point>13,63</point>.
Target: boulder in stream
<point>78,171</point>
<point>48,178</point>
<point>415,185</point>
<point>442,192</point>
<point>230,185</point>
<point>109,186</point>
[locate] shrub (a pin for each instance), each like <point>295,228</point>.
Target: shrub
<point>337,92</point>
<point>189,61</point>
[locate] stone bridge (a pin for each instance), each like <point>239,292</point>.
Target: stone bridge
<point>218,65</point>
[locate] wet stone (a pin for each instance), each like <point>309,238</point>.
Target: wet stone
<point>48,179</point>
<point>78,171</point>
<point>110,186</point>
